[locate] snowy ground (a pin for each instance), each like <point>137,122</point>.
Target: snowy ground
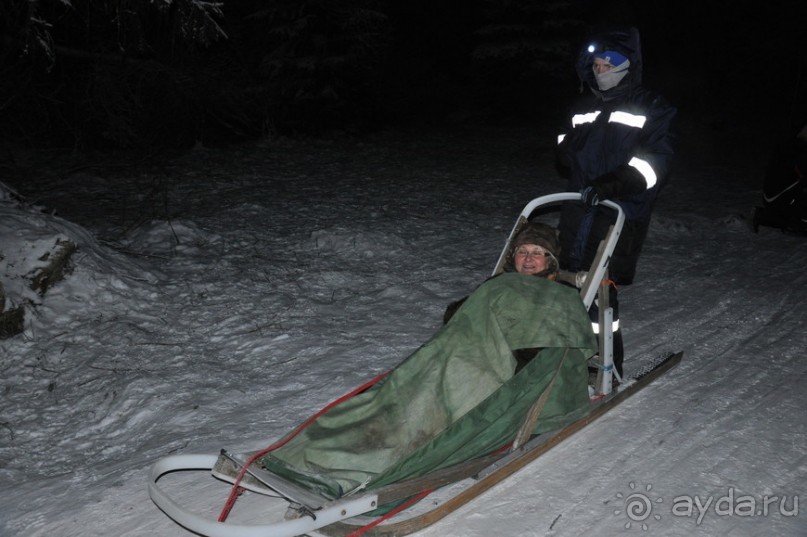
<point>217,301</point>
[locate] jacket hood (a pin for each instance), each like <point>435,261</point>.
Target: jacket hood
<point>623,40</point>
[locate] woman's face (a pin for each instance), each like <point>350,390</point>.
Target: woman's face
<point>530,259</point>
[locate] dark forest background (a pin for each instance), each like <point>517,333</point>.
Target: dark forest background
<point>155,77</point>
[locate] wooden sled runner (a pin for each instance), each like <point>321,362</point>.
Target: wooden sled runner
<point>450,487</point>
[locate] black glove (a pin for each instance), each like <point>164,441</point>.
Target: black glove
<point>602,188</point>
<point>589,196</point>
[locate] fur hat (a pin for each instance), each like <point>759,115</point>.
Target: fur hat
<point>541,235</point>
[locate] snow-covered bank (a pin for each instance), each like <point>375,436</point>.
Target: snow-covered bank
<point>216,301</point>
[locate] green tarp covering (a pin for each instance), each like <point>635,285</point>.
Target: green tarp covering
<point>457,397</point>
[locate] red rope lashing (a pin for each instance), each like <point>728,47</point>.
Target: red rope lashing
<point>406,505</point>
<point>237,489</point>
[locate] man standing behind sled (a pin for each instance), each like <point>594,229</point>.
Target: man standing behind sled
<point>616,146</point>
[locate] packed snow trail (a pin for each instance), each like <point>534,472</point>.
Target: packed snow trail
<point>234,292</point>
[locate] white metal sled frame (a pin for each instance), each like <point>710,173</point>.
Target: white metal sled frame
<point>334,512</point>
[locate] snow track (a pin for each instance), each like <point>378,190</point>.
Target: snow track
<point>273,278</point>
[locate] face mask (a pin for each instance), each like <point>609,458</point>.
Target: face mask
<point>610,79</point>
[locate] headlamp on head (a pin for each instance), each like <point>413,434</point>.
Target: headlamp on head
<point>603,52</point>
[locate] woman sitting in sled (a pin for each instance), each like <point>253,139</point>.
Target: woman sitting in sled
<point>534,252</point>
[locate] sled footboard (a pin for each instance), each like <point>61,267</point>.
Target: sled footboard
<point>331,513</point>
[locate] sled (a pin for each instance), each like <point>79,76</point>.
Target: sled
<point>299,510</point>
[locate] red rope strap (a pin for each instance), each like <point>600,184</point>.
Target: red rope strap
<point>237,489</point>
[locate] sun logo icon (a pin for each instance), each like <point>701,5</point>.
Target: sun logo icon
<point>638,507</point>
